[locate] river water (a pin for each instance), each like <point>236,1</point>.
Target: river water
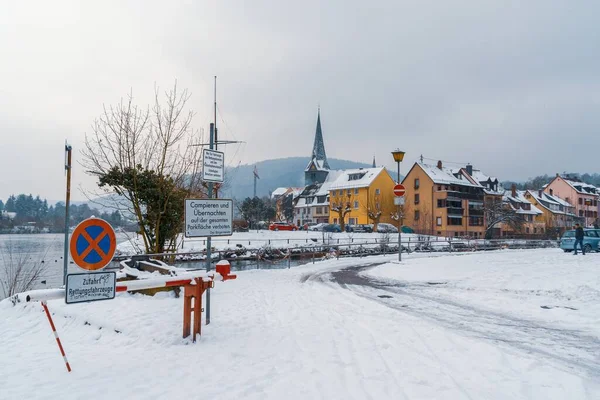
<point>49,249</point>
<point>39,248</point>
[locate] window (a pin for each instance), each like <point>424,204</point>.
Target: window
<point>416,183</point>
<point>352,221</point>
<point>335,220</point>
<point>377,191</point>
<point>441,203</point>
<point>416,198</point>
<point>340,192</point>
<point>551,192</point>
<point>319,210</point>
<point>580,201</point>
<point>333,192</point>
<point>377,206</point>
<point>356,204</point>
<point>527,230</point>
<point>595,203</point>
<point>454,221</point>
<point>534,230</point>
<point>348,192</point>
<point>438,221</point>
<point>475,221</point>
<point>581,213</point>
<point>417,215</point>
<point>355,190</point>
<point>439,188</point>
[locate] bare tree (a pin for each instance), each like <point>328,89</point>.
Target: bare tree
<point>499,212</point>
<point>150,157</point>
<point>342,209</point>
<point>375,206</point>
<point>17,273</point>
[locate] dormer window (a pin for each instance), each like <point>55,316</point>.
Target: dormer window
<point>355,177</point>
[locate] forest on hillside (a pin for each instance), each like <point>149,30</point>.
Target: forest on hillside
<point>539,181</point>
<point>24,214</point>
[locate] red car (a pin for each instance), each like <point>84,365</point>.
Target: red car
<point>282,226</point>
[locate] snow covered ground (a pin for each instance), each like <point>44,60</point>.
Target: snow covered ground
<point>467,326</point>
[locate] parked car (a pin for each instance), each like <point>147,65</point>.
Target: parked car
<point>307,225</point>
<point>318,227</point>
<point>359,228</point>
<point>386,228</point>
<point>332,228</point>
<point>282,226</point>
<point>591,238</point>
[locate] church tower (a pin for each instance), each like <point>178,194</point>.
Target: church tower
<point>318,168</point>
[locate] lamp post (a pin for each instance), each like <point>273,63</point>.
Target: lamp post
<point>398,157</point>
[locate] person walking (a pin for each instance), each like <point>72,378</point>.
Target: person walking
<point>578,239</point>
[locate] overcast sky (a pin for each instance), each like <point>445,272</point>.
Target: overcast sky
<point>510,86</point>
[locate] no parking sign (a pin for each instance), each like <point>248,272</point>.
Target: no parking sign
<point>92,245</point>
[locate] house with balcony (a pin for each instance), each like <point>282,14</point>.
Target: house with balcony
<point>533,218</point>
<point>558,215</point>
<point>444,202</point>
<point>365,192</point>
<point>582,196</point>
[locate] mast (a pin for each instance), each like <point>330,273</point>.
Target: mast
<point>215,120</point>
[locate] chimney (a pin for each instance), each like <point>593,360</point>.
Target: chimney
<point>513,189</point>
<point>439,164</point>
<point>469,169</point>
<point>557,175</point>
<point>540,193</point>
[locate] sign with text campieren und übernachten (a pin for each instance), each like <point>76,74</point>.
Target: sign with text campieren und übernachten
<point>208,217</point>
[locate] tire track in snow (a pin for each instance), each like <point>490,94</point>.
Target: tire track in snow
<point>570,349</point>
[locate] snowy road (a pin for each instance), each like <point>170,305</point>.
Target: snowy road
<point>569,349</point>
<point>445,327</point>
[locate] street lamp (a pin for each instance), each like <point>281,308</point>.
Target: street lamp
<point>398,157</point>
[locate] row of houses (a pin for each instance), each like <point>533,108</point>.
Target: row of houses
<point>458,202</point>
<point>466,202</point>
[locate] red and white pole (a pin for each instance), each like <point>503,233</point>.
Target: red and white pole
<point>62,351</point>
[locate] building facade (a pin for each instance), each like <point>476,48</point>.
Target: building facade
<point>364,195</point>
<point>582,196</point>
<point>443,202</point>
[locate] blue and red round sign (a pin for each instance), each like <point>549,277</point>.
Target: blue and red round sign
<point>93,244</point>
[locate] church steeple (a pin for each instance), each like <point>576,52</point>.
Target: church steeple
<point>318,168</point>
<point>374,165</point>
<point>318,152</point>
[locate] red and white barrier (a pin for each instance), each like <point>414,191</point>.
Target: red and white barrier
<point>62,351</point>
<point>222,273</point>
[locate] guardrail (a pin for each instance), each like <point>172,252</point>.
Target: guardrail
<point>269,255</point>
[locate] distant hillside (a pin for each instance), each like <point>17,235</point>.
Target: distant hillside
<point>282,172</point>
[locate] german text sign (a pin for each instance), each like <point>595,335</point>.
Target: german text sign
<point>208,217</point>
<point>213,165</point>
<point>92,286</point>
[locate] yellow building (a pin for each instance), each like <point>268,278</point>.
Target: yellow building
<point>361,196</point>
<point>443,202</point>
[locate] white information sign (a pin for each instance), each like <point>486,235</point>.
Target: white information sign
<point>213,165</point>
<point>399,201</point>
<point>92,286</point>
<point>208,217</point>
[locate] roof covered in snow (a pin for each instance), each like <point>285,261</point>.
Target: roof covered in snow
<point>355,178</point>
<point>520,199</point>
<point>445,176</point>
<point>582,187</point>
<point>550,202</point>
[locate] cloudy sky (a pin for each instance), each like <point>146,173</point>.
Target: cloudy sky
<point>510,86</point>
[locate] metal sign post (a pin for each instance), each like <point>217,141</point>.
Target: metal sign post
<point>68,149</point>
<point>399,191</point>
